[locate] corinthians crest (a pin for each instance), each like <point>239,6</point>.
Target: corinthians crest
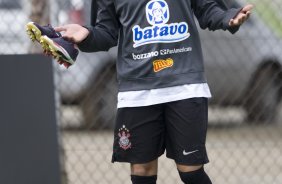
<point>124,135</point>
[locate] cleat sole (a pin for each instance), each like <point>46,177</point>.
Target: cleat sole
<point>55,50</point>
<point>33,32</point>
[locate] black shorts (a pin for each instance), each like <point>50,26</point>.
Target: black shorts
<point>142,134</point>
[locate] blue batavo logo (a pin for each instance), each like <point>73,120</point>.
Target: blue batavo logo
<point>157,14</point>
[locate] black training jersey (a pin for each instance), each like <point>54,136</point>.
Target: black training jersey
<point>158,42</point>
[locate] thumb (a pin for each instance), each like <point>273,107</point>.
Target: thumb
<point>247,8</point>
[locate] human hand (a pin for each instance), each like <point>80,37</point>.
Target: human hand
<point>73,32</point>
<point>242,16</point>
<point>59,60</point>
<point>62,62</point>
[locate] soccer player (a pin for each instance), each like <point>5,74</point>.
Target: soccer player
<point>163,93</point>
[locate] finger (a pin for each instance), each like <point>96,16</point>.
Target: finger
<point>248,14</point>
<point>60,28</point>
<point>60,62</point>
<point>236,22</point>
<point>231,22</point>
<point>239,22</point>
<point>244,18</point>
<point>67,34</point>
<point>247,8</point>
<point>240,19</point>
<point>66,64</point>
<point>47,53</point>
<point>69,38</point>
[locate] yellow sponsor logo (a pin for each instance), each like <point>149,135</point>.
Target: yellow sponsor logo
<point>161,64</point>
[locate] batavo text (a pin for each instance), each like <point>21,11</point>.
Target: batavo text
<point>160,53</point>
<point>167,33</point>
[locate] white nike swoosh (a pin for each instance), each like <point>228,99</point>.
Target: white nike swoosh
<point>188,153</point>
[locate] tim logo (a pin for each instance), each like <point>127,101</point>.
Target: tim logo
<point>157,14</point>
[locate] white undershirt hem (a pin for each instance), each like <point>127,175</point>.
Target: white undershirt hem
<point>162,95</point>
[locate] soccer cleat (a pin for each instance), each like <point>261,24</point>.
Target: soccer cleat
<point>35,31</point>
<point>61,49</point>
